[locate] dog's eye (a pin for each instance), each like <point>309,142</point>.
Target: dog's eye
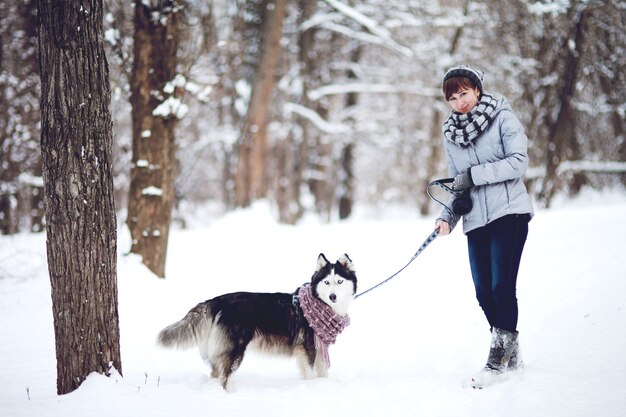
<point>327,282</point>
<point>340,281</point>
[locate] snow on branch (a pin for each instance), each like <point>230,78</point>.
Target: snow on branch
<point>360,36</point>
<point>350,12</point>
<point>315,118</point>
<point>335,89</point>
<point>591,166</point>
<point>602,107</point>
<point>371,25</point>
<point>29,179</point>
<point>550,7</point>
<point>602,167</point>
<point>171,107</point>
<point>318,20</point>
<point>152,191</point>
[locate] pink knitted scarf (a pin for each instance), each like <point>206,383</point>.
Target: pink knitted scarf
<point>326,323</point>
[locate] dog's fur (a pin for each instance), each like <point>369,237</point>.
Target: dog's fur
<point>225,326</point>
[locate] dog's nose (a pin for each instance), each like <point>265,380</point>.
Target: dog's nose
<point>333,297</point>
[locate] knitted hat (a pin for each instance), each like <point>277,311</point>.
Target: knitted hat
<point>463,70</point>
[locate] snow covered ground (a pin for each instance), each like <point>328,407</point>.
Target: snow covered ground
<point>411,345</point>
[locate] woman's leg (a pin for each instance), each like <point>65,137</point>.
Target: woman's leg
<point>478,244</point>
<point>508,236</point>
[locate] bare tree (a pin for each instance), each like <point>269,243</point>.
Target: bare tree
<point>292,154</point>
<point>562,141</point>
<point>314,53</point>
<point>251,176</point>
<point>76,137</point>
<point>346,177</point>
<point>156,107</point>
<point>21,193</point>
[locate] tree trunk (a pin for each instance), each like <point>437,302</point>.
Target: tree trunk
<point>76,140</point>
<point>251,177</point>
<point>153,170</point>
<point>310,57</point>
<point>320,163</point>
<point>614,94</point>
<point>434,159</point>
<point>20,159</point>
<point>346,198</point>
<point>562,139</point>
<point>346,190</point>
<point>288,177</point>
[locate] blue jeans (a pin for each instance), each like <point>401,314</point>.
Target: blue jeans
<point>495,251</point>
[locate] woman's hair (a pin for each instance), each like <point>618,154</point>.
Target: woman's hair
<point>455,84</point>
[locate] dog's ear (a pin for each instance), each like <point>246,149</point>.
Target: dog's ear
<point>321,261</point>
<point>346,262</point>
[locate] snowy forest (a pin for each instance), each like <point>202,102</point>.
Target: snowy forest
<point>139,115</point>
<point>320,105</point>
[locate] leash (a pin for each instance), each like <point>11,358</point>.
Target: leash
<point>427,242</point>
<point>441,184</point>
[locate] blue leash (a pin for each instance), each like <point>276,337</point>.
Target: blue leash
<point>427,242</point>
<point>440,183</point>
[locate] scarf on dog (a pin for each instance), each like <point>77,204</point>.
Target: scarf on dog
<point>463,129</point>
<point>322,318</point>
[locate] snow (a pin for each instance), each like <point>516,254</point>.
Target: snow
<point>378,31</point>
<point>553,7</point>
<point>244,91</point>
<point>171,106</point>
<point>27,178</point>
<point>112,36</point>
<point>580,166</point>
<point>411,345</point>
<point>368,88</point>
<point>597,166</point>
<point>153,191</point>
<point>315,118</point>
<point>179,81</point>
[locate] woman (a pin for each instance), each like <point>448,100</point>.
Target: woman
<point>486,149</point>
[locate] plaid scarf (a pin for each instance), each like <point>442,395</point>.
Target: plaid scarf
<point>322,318</point>
<point>463,129</point>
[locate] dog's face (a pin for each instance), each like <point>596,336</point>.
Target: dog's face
<point>335,284</point>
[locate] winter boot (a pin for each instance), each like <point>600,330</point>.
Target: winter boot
<point>516,361</point>
<point>503,343</point>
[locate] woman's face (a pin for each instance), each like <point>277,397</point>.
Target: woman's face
<point>464,100</point>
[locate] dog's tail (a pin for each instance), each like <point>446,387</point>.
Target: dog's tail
<point>190,331</point>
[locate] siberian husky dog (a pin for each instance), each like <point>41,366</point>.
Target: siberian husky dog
<point>300,324</point>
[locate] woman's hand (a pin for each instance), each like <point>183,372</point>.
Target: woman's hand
<point>463,181</point>
<point>443,227</point>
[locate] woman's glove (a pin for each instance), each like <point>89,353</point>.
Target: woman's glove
<point>463,181</point>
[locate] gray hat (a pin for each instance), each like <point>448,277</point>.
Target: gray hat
<point>463,70</point>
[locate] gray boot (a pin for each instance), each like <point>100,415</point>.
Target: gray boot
<point>503,343</point>
<point>516,361</point>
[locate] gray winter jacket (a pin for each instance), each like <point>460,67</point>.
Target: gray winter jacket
<point>498,159</point>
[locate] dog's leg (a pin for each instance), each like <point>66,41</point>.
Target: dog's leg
<point>211,363</point>
<point>205,354</point>
<point>320,366</point>
<point>211,347</point>
<point>230,360</point>
<point>225,366</point>
<point>305,367</point>
<point>306,359</point>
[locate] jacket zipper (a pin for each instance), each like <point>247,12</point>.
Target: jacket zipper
<point>484,192</point>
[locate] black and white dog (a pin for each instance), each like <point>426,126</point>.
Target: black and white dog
<point>302,324</point>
